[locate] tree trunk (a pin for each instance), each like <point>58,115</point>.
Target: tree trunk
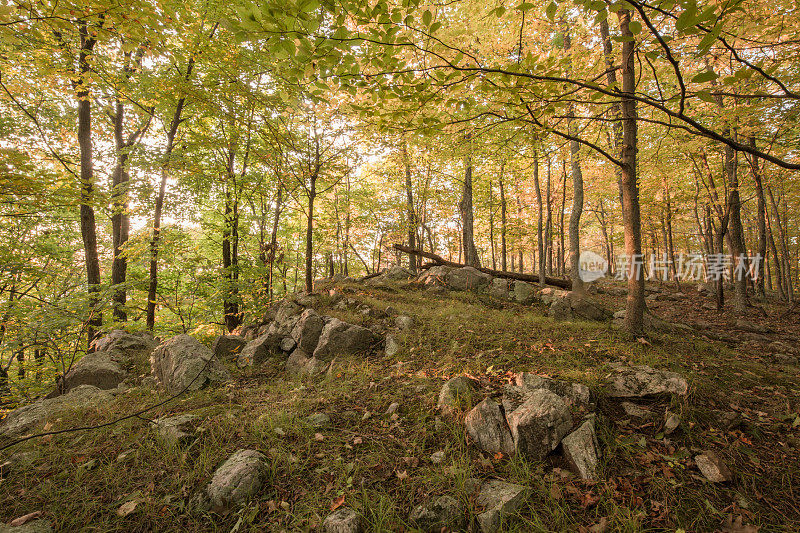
<point>412,218</point>
<point>503,225</point>
<point>634,315</point>
<point>467,217</point>
<point>491,227</point>
<point>561,232</point>
<point>761,209</point>
<point>548,228</point>
<point>119,219</point>
<point>539,219</point>
<point>312,193</point>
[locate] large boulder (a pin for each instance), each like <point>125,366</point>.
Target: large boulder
<point>538,424</point>
<point>239,479</point>
<point>132,344</point>
<point>457,393</point>
<point>99,369</point>
<point>34,526</point>
<point>549,294</point>
<point>177,429</point>
<point>524,293</point>
<point>576,395</point>
<point>435,276</point>
<point>307,330</point>
<point>228,347</point>
<point>499,500</point>
<point>487,427</point>
<point>569,305</point>
<point>23,419</point>
<point>442,514</point>
<point>642,380</point>
<point>499,289</point>
<point>582,451</point>
<point>341,338</point>
<point>300,363</point>
<point>468,279</point>
<point>183,363</point>
<point>343,520</point>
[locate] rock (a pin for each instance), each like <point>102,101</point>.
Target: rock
<point>307,330</point>
<point>287,344</point>
<point>710,306</point>
<point>620,315</point>
<point>341,338</point>
<point>343,520</point>
<point>97,369</point>
<point>468,279</point>
<point>444,513</point>
<point>392,346</point>
<point>499,289</point>
<point>260,349</point>
<point>548,295</point>
<point>178,429</point>
<point>286,311</point>
<point>583,307</point>
<point>239,478</point>
<point>228,347</point>
<point>139,344</point>
<point>435,276</point>
<point>397,273</point>
<point>23,419</point>
<point>713,468</point>
<point>456,393</point>
<point>403,322</point>
<point>393,407</point>
<point>308,300</point>
<point>639,381</point>
<point>575,395</point>
<point>634,411</point>
<point>538,425</point>
<point>524,293</point>
<point>487,427</point>
<point>34,526</point>
<point>182,362</point>
<point>499,500</point>
<point>319,420</point>
<point>299,363</point>
<point>437,457</point>
<point>15,462</point>
<point>782,347</point>
<point>671,422</point>
<point>751,327</point>
<point>560,309</point>
<point>582,451</point>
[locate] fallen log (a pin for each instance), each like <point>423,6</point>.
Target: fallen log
<point>530,278</point>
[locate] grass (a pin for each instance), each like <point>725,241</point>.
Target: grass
<point>381,465</point>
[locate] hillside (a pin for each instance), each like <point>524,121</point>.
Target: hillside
<point>366,435</point>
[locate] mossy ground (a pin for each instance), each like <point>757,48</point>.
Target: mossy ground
<point>381,465</point>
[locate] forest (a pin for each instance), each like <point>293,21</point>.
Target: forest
<point>174,170</point>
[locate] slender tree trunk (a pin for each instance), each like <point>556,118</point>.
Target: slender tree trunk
<point>561,250</point>
<point>616,112</point>
<point>312,193</point>
<point>273,240</point>
<point>467,217</point>
<point>412,218</point>
<point>503,222</point>
<point>491,226</point>
<point>119,218</point>
<point>634,315</point>
<point>784,242</point>
<point>539,219</point>
<point>577,196</point>
<point>761,209</point>
<point>548,228</point>
<point>668,240</point>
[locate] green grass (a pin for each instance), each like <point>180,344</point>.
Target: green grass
<point>381,466</point>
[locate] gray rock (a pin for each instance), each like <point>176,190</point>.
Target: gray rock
<point>548,295</point>
<point>307,330</point>
<point>672,422</point>
<point>560,309</point>
<point>499,289</point>
<point>524,293</point>
<point>343,520</point>
<point>98,369</point>
<point>341,338</point>
<point>500,500</point>
<point>392,345</point>
<point>178,429</point>
<point>239,478</point>
<point>457,393</point>
<point>582,451</point>
<point>435,276</point>
<point>396,273</point>
<point>583,307</point>
<point>34,526</point>
<point>539,424</point>
<point>228,347</point>
<point>444,513</point>
<point>468,279</point>
<point>23,419</point>
<point>713,467</point>
<point>392,409</point>
<point>137,344</point>
<point>620,315</point>
<point>639,381</point>
<point>319,420</point>
<point>576,395</point>
<point>403,322</point>
<point>287,344</point>
<point>299,363</point>
<point>286,311</point>
<point>634,411</point>
<point>437,457</point>
<point>182,362</point>
<point>487,427</point>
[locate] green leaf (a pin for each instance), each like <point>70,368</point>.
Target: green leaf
<point>705,77</point>
<point>706,96</point>
<point>635,27</point>
<point>427,17</point>
<point>687,18</point>
<point>525,6</point>
<point>435,26</point>
<point>500,11</point>
<point>551,11</point>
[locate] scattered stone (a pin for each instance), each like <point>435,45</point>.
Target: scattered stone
<point>393,408</point>
<point>437,457</point>
<point>23,419</point>
<point>178,429</point>
<point>499,500</point>
<point>560,309</point>
<point>319,420</point>
<point>228,347</point>
<point>340,338</point>
<point>392,345</point>
<point>403,322</point>
<point>468,279</point>
<point>487,427</point>
<point>444,513</point>
<point>299,363</point>
<point>671,422</point>
<point>575,395</point>
<point>639,381</point>
<point>582,451</point>
<point>524,293</point>
<point>456,393</point>
<point>634,411</point>
<point>34,526</point>
<point>499,289</point>
<point>287,344</point>
<point>182,363</point>
<point>343,520</point>
<point>548,295</point>
<point>239,478</point>
<point>539,424</point>
<point>713,468</point>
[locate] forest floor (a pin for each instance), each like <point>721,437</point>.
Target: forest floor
<point>743,403</point>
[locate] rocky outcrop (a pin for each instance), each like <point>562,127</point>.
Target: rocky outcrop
<point>524,293</point>
<point>468,279</point>
<point>307,330</point>
<point>343,520</point>
<point>228,347</point>
<point>569,305</point>
<point>487,427</point>
<point>538,424</point>
<point>582,451</point>
<point>183,363</point>
<point>341,338</point>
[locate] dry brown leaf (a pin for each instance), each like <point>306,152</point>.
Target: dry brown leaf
<point>401,475</point>
<point>24,519</point>
<point>127,508</point>
<point>357,440</point>
<point>338,502</point>
<point>319,437</point>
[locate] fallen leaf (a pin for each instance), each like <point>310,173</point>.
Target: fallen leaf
<point>319,437</point>
<point>127,508</point>
<point>357,440</point>
<point>401,475</point>
<point>338,502</point>
<point>24,519</point>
